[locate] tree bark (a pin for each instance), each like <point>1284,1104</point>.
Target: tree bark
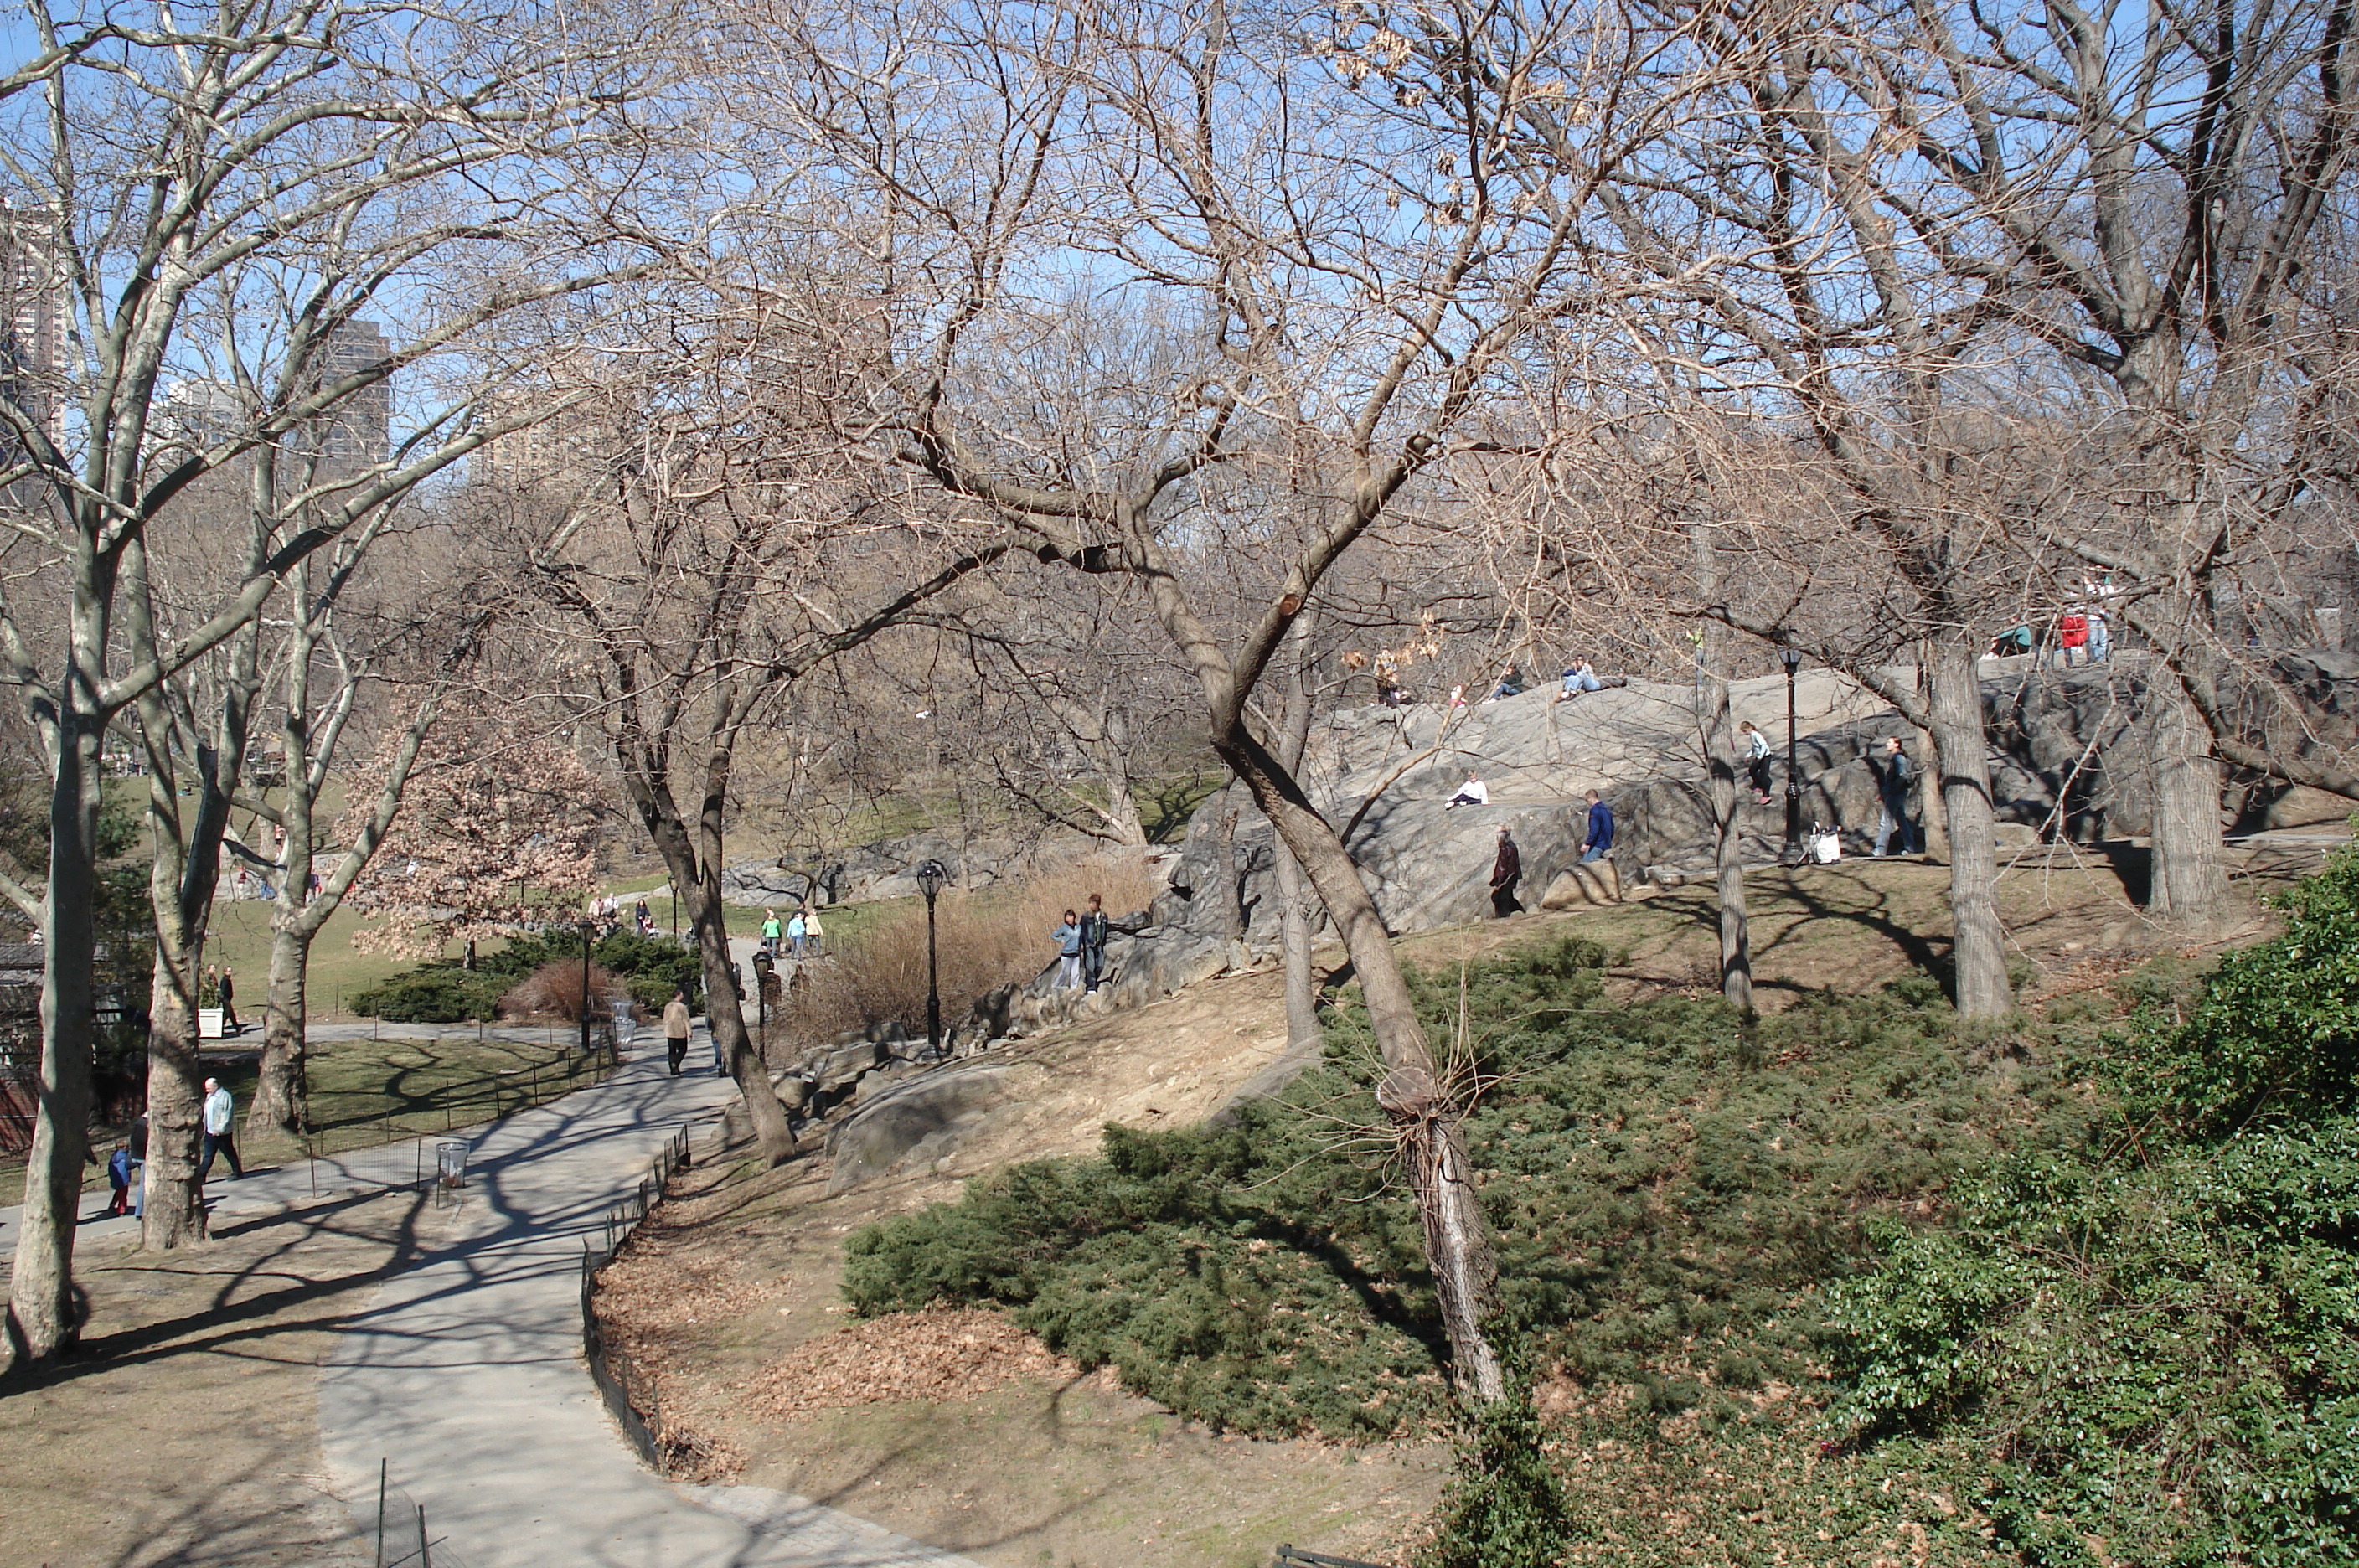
<point>1954,711</point>
<point>1293,904</point>
<point>1424,1115</point>
<point>282,1085</point>
<point>1720,756</point>
<point>45,1313</point>
<point>2188,880</point>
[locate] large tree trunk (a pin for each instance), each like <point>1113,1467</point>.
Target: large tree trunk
<point>282,1085</point>
<point>724,1014</point>
<point>2189,884</point>
<point>1978,951</point>
<point>1293,900</point>
<point>1424,1113</point>
<point>44,1311</point>
<point>174,1199</point>
<point>1720,756</point>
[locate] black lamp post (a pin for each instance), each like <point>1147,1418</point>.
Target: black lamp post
<point>931,878</point>
<point>1792,660</point>
<point>589,929</point>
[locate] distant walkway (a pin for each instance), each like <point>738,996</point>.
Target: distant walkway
<point>466,1373</point>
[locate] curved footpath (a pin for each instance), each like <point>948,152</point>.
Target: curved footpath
<point>465,1373</point>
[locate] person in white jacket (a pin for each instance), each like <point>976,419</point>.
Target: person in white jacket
<point>220,1120</point>
<point>1756,758</point>
<point>1473,792</point>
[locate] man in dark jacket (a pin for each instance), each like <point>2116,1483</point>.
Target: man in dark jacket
<point>1892,783</point>
<point>1093,943</point>
<point>1505,872</point>
<point>1601,830</point>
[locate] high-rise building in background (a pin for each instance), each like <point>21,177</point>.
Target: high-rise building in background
<point>358,432</point>
<point>32,321</point>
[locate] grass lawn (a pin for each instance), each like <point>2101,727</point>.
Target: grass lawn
<point>372,1092</point>
<point>240,938</point>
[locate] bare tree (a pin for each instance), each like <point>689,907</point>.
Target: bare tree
<point>174,179</point>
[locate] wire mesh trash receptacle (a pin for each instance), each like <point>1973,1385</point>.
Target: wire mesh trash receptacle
<point>626,1023</point>
<point>451,1162</point>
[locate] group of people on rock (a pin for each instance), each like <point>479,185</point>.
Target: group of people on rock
<point>800,936</point>
<point>2081,633</point>
<point>1081,941</point>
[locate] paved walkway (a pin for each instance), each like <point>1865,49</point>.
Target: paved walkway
<point>466,1376</point>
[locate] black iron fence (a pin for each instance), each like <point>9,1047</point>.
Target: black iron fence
<point>405,1537</point>
<point>629,1397</point>
<point>1295,1557</point>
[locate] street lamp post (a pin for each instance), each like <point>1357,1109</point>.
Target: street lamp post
<point>588,930</point>
<point>931,876</point>
<point>1793,663</point>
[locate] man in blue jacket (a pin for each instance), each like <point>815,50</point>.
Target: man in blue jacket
<point>1601,830</point>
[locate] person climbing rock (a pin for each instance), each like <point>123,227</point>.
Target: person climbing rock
<point>1601,830</point>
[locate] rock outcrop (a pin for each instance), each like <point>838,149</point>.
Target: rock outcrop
<point>885,867</point>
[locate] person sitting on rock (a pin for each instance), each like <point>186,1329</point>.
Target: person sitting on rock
<point>1511,683</point>
<point>1579,678</point>
<point>1473,792</point>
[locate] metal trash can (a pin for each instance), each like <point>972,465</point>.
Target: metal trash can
<point>451,1162</point>
<point>627,1024</point>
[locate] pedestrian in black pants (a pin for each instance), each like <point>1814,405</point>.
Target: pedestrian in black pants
<point>1093,943</point>
<point>220,1134</point>
<point>229,1003</point>
<point>676,1030</point>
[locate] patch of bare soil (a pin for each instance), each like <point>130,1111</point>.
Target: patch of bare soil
<point>185,1431</point>
<point>729,1302</point>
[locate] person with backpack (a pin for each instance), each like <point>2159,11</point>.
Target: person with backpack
<point>1892,794</point>
<point>1756,759</point>
<point>118,1176</point>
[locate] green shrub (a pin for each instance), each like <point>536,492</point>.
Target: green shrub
<point>432,993</point>
<point>1660,1211</point>
<point>1505,1506</point>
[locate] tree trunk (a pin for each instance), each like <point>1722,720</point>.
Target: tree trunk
<point>1720,756</point>
<point>1978,950</point>
<point>724,1014</point>
<point>282,1085</point>
<point>2188,883</point>
<point>174,1198</point>
<point>1293,903</point>
<point>45,1313</point>
<point>1423,1112</point>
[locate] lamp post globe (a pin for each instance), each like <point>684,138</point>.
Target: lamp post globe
<point>932,877</point>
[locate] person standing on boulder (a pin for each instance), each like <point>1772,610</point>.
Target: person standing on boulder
<point>1756,759</point>
<point>1068,938</point>
<point>1093,943</point>
<point>1892,793</point>
<point>1506,870</point>
<point>1601,830</point>
<point>677,1024</point>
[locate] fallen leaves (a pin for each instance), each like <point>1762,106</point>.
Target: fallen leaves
<point>941,1353</point>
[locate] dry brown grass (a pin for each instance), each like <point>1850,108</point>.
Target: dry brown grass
<point>554,991</point>
<point>986,939</point>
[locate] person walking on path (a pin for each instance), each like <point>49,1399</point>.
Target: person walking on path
<point>118,1178</point>
<point>1601,830</point>
<point>229,1003</point>
<point>771,931</point>
<point>1095,931</point>
<point>1473,792</point>
<point>1068,938</point>
<point>676,1027</point>
<point>1506,870</point>
<point>1756,759</point>
<point>797,933</point>
<point>1892,791</point>
<point>814,938</point>
<point>220,1117</point>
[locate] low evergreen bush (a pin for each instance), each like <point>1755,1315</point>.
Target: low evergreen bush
<point>432,993</point>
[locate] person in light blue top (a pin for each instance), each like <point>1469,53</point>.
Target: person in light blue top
<point>1068,938</point>
<point>795,934</point>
